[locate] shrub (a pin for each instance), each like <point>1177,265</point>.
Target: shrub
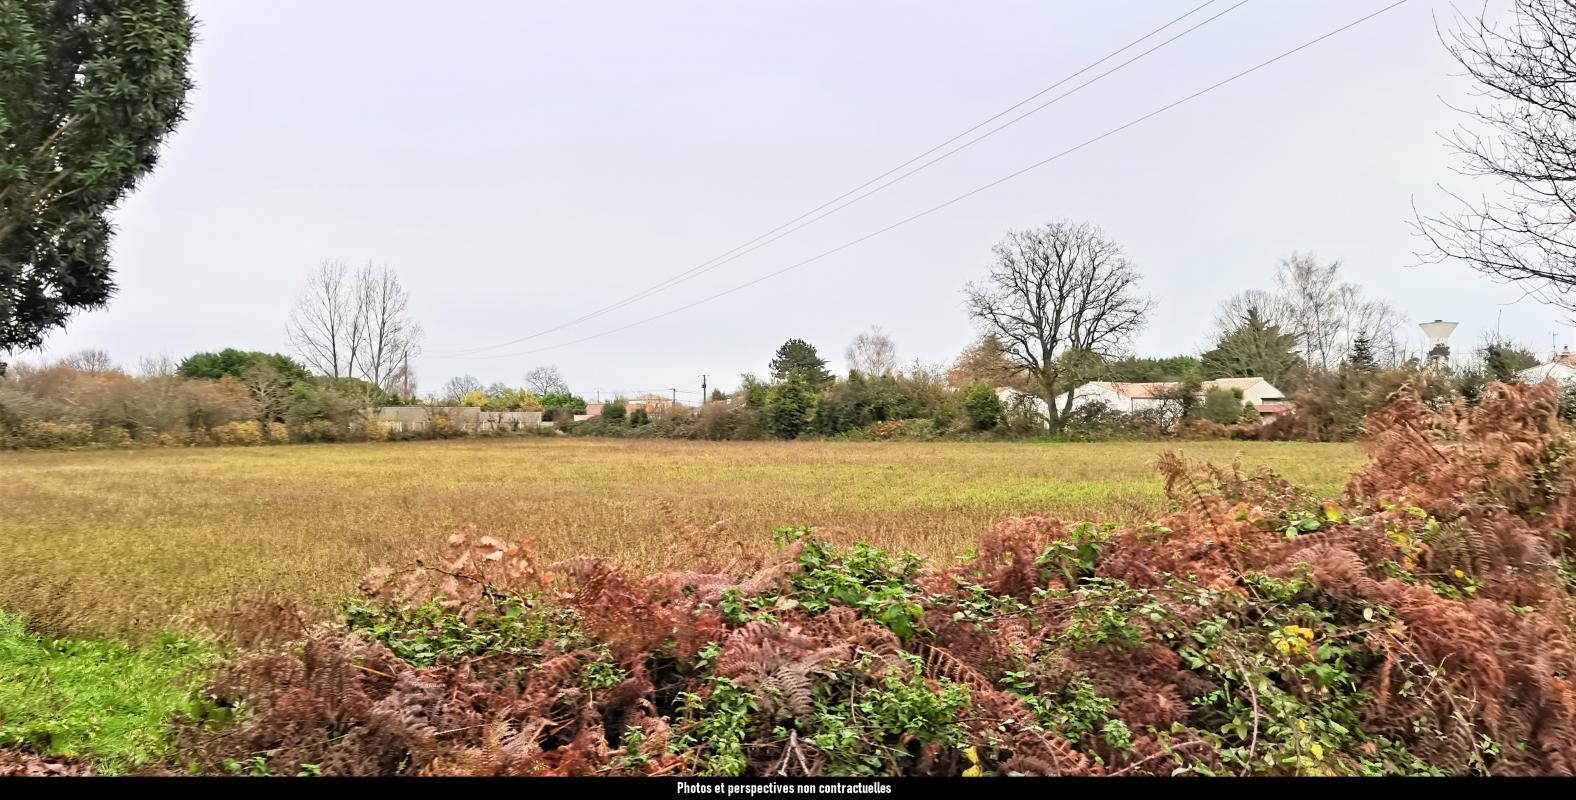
<point>789,406</point>
<point>373,430</point>
<point>614,411</point>
<point>319,430</point>
<point>248,433</point>
<point>984,408</point>
<point>1222,406</point>
<point>277,433</point>
<point>639,418</point>
<point>44,435</point>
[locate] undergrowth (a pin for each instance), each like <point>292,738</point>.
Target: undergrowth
<point>107,704</point>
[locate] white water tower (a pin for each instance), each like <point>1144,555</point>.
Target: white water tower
<point>1438,333</point>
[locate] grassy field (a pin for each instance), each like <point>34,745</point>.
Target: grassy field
<point>141,541</point>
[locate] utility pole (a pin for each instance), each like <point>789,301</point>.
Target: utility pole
<point>675,391</point>
<point>598,391</point>
<point>703,395</point>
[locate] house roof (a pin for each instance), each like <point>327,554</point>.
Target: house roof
<point>1558,371</point>
<point>1274,407</point>
<point>1158,390</point>
<point>1232,383</point>
<point>1137,391</point>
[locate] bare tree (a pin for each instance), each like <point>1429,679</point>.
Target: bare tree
<point>159,366</point>
<point>387,337</point>
<point>92,362</point>
<point>323,326</point>
<point>1326,314</point>
<point>457,388</point>
<point>1058,298</point>
<point>357,324</point>
<point>1524,140</point>
<point>546,380</point>
<point>872,352</point>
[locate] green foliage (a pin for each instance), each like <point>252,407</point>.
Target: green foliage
<point>1362,355</point>
<point>789,406</point>
<point>1073,559</point>
<point>1223,406</point>
<point>563,400</point>
<point>1150,370</point>
<point>1250,415</point>
<point>88,92</point>
<point>1502,360</point>
<point>862,726</point>
<point>639,418</point>
<point>983,406</point>
<point>798,357</point>
<point>754,390</point>
<point>865,578</point>
<point>110,704</point>
<point>715,722</point>
<point>1256,349</point>
<point>614,411</point>
<point>859,401</point>
<point>428,634</point>
<point>238,363</point>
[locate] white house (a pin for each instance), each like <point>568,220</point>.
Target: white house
<point>1129,398</point>
<point>1562,369</point>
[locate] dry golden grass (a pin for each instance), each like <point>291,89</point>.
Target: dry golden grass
<point>129,541</point>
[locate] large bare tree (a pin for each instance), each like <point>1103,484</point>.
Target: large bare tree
<point>322,327</point>
<point>546,380</point>
<point>1058,299</point>
<point>872,352</point>
<point>388,337</point>
<point>1326,314</point>
<point>1521,138</point>
<point>356,324</point>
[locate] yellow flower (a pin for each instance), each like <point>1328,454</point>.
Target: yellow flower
<point>1460,574</point>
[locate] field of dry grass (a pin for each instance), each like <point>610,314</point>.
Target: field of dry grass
<point>135,541</point>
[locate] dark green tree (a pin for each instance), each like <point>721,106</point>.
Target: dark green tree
<point>236,363</point>
<point>1256,349</point>
<point>1502,360</point>
<point>1223,406</point>
<point>639,418</point>
<point>89,89</point>
<point>614,411</point>
<point>983,406</point>
<point>797,356</point>
<point>790,406</point>
<point>1362,355</point>
<point>1149,370</point>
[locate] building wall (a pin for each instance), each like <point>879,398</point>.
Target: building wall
<point>402,419</point>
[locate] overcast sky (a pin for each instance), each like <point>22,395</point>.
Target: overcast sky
<point>524,164</point>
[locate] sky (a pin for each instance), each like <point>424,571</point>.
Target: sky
<point>522,165</point>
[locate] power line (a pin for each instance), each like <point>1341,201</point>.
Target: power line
<point>968,194</point>
<point>792,226</point>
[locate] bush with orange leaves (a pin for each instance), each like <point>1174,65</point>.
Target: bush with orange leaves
<point>1419,624</point>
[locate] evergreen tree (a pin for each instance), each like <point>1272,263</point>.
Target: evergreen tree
<point>1362,355</point>
<point>789,406</point>
<point>1256,349</point>
<point>89,91</point>
<point>797,356</point>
